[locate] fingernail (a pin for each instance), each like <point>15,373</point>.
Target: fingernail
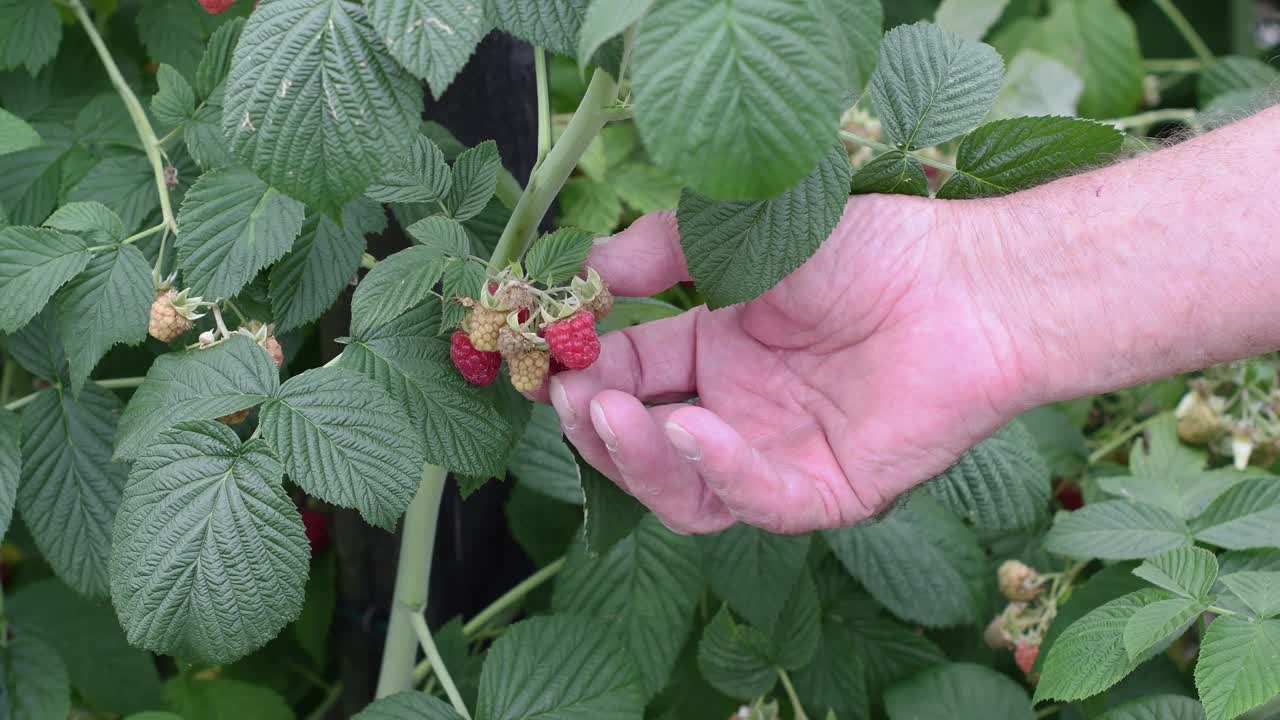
<point>560,401</point>
<point>602,427</point>
<point>683,442</point>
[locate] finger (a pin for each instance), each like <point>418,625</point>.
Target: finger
<point>755,491</point>
<point>644,259</point>
<point>649,466</point>
<point>577,429</point>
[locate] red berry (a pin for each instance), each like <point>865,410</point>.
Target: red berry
<point>1025,655</point>
<point>556,366</point>
<point>316,525</point>
<point>573,340</point>
<point>477,367</point>
<point>1069,496</point>
<point>215,7</point>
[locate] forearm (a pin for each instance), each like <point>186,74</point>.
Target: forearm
<point>1149,267</point>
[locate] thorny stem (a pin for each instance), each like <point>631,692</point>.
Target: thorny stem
<point>496,608</point>
<point>791,694</point>
<point>433,656</point>
<point>109,384</point>
<point>544,105</point>
<point>882,147</point>
<point>1184,27</point>
<point>1186,116</point>
<point>232,307</point>
<point>217,319</point>
<point>150,143</point>
<point>1124,437</point>
<point>546,181</point>
<point>1178,65</point>
<point>159,266</point>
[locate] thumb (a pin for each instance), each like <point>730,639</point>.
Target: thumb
<point>644,259</point>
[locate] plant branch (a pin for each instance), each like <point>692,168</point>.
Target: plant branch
<point>1124,437</point>
<point>150,144</point>
<point>1186,116</point>
<point>791,694</point>
<point>1179,65</point>
<point>413,577</point>
<point>544,105</point>
<point>1184,27</point>
<point>496,608</point>
<point>884,148</point>
<point>109,384</point>
<point>6,378</point>
<point>331,698</point>
<point>1048,712</point>
<point>549,177</point>
<point>433,656</point>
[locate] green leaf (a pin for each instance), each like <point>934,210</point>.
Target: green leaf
<point>646,587</point>
<point>10,466</point>
<point>645,188</point>
<point>34,263</point>
<point>892,173</point>
<point>558,256</point>
<point>216,61</point>
<point>1237,669</point>
<point>323,120</point>
<point>305,283</point>
<point>396,284</point>
<point>106,304</point>
<point>123,182</point>
<point>605,19</point>
<point>421,176</point>
<point>550,24</point>
<point>921,562</point>
<point>1089,656</point>
<point>970,19</point>
<point>37,348</point>
<point>932,85</point>
<point>196,385</point>
<point>738,250</point>
<point>311,629</point>
<point>16,134</point>
<point>1187,571</point>
<point>210,556</point>
<point>959,691</point>
<point>753,571</point>
<point>176,101</point>
<point>795,634</point>
<point>1158,707</point>
<point>70,488</point>
<point>173,33</point>
<point>343,439</point>
<point>591,205</point>
<point>408,705</point>
<point>608,513</point>
<point>432,39</point>
<point>203,135</point>
<point>459,426</point>
<point>1116,530</point>
<point>1036,84</point>
<point>734,658</point>
<point>475,178</point>
<point>1097,39</point>
<point>1005,156</point>
<point>835,677</point>
<point>101,665</point>
<point>559,667</point>
<point>1259,590</point>
<point>1104,586</point>
<point>446,235</point>
<point>541,461</point>
<point>1234,73</point>
<point>861,26</point>
<point>30,32</point>
<point>1246,516</point>
<point>1001,484</point>
<point>1158,624</point>
<point>231,226</point>
<point>33,679</point>
<point>33,177</point>
<point>739,99</point>
<point>95,222</point>
<point>224,699</point>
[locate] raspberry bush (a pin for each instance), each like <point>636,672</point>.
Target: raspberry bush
<point>186,190</point>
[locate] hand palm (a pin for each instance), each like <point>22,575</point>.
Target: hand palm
<point>863,373</point>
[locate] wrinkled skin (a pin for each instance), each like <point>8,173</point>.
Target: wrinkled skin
<point>866,371</point>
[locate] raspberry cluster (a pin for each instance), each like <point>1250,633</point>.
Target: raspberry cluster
<point>1033,605</point>
<point>535,331</point>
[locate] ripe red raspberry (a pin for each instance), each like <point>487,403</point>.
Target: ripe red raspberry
<point>215,7</point>
<point>316,524</point>
<point>1025,656</point>
<point>573,340</point>
<point>477,367</point>
<point>482,326</point>
<point>529,369</point>
<point>1069,496</point>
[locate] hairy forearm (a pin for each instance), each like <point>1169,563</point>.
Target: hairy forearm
<point>1161,264</point>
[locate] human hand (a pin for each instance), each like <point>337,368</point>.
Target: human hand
<point>866,371</point>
